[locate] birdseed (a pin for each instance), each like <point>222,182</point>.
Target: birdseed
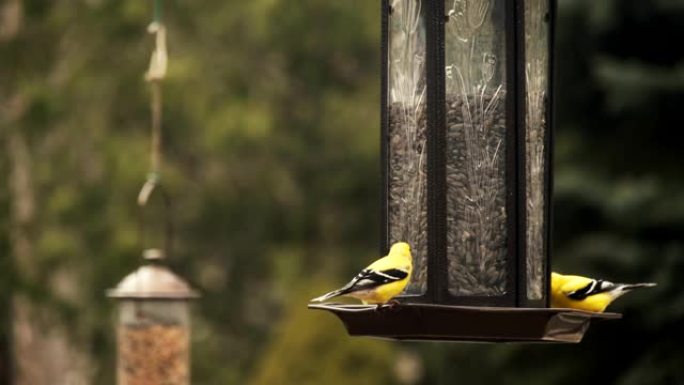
<point>476,194</point>
<point>153,355</point>
<point>408,187</point>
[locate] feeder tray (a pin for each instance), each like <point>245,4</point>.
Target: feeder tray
<point>465,323</point>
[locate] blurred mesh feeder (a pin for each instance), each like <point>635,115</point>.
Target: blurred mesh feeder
<point>153,326</point>
<point>466,173</point>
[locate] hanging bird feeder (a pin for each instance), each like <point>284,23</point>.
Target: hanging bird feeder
<point>153,325</point>
<point>153,330</point>
<point>466,172</point>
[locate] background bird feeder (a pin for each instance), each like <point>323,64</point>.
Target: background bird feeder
<point>466,178</point>
<point>153,329</point>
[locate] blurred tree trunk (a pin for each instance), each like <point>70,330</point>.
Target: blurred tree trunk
<point>44,353</point>
<point>42,349</point>
<point>10,18</point>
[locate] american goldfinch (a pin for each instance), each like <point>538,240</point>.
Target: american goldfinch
<point>380,281</point>
<point>572,291</point>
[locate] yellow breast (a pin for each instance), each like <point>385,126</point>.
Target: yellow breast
<point>595,303</point>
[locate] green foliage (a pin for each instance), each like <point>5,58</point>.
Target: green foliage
<point>268,154</point>
<point>310,348</point>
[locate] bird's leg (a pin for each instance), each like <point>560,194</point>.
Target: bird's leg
<point>392,306</point>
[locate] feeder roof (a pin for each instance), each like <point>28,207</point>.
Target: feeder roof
<point>153,281</point>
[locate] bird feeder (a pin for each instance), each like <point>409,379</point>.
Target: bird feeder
<point>153,328</point>
<point>466,172</point>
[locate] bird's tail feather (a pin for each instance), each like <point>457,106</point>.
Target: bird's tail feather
<point>332,294</point>
<point>632,286</point>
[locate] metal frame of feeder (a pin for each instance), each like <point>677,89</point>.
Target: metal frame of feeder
<point>437,263</point>
<point>436,314</point>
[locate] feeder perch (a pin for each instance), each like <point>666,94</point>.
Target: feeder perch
<point>153,328</point>
<point>466,117</point>
<point>465,323</point>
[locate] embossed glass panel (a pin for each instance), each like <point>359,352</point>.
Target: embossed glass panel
<point>476,146</point>
<point>536,81</point>
<point>407,135</point>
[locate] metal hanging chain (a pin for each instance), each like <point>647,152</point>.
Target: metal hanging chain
<point>155,75</point>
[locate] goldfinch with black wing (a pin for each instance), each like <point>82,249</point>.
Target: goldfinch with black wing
<point>576,292</point>
<point>381,281</point>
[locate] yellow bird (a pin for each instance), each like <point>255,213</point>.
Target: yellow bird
<point>575,292</point>
<point>380,281</point>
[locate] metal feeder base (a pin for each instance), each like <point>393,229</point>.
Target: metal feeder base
<point>464,323</point>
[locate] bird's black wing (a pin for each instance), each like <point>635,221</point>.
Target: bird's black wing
<point>368,279</point>
<point>596,286</point>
